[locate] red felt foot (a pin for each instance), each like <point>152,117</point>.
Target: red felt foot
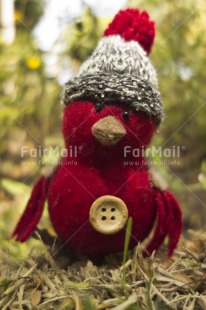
<point>33,211</point>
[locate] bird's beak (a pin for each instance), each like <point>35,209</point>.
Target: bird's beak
<point>108,130</point>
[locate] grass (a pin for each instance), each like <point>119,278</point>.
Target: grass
<point>125,253</point>
<point>39,282</point>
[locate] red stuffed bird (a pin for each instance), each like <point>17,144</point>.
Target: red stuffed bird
<point>111,108</point>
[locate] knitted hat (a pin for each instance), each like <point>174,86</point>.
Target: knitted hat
<point>119,69</point>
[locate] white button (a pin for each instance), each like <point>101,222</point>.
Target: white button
<point>108,214</point>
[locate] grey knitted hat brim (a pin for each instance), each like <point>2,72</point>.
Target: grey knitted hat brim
<point>116,88</point>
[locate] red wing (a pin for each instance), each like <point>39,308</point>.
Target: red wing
<point>175,221</point>
<point>33,211</point>
<point>169,222</point>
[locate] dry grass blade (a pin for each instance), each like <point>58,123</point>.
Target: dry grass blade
<point>130,301</point>
<point>19,282</point>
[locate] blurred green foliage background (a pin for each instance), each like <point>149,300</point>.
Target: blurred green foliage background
<point>30,110</point>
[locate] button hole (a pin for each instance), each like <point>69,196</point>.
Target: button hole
<point>104,218</point>
<point>103,209</point>
<point>113,218</point>
<point>113,209</point>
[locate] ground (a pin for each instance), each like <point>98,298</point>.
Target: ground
<point>43,280</point>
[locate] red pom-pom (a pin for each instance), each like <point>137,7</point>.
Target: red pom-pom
<point>134,25</point>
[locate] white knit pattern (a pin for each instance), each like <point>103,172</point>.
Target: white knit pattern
<point>114,54</point>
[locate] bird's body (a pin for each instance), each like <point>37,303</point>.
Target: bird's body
<point>95,171</point>
<point>75,187</point>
